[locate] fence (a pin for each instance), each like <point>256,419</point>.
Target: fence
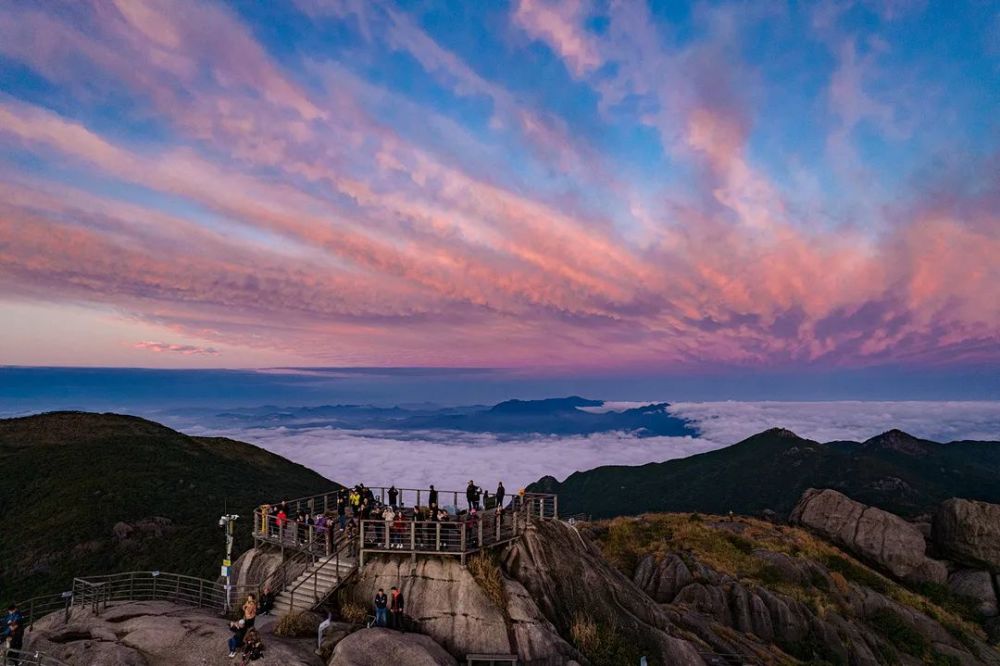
<point>38,607</point>
<point>95,592</point>
<point>10,657</point>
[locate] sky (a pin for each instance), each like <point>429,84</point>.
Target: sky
<point>544,186</point>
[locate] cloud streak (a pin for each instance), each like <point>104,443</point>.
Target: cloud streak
<point>392,198</point>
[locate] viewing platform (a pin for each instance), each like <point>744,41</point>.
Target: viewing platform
<point>335,548</point>
<point>411,530</point>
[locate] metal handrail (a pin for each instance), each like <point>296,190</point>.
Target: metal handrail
<point>98,591</point>
<point>28,658</point>
<point>345,543</point>
<point>41,606</point>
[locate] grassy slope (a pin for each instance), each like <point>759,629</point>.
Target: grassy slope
<point>69,477</point>
<point>713,541</point>
<point>772,469</point>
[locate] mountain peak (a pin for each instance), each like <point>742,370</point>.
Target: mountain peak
<point>544,406</point>
<point>902,442</point>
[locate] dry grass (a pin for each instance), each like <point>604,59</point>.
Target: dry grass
<point>584,633</point>
<point>351,610</point>
<point>297,625</point>
<point>485,569</point>
<point>728,548</point>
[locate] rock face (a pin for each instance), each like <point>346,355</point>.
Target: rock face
<point>257,564</point>
<point>976,585</point>
<point>569,580</point>
<point>155,633</point>
<point>877,536</point>
<point>445,602</point>
<point>378,647</point>
<point>969,532</point>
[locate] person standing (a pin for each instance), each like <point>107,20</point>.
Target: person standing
<point>15,641</point>
<point>250,611</point>
<point>470,493</point>
<point>396,608</point>
<point>393,496</point>
<point>500,495</point>
<point>381,607</point>
<point>432,500</point>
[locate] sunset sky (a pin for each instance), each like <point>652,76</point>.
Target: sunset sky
<point>536,185</point>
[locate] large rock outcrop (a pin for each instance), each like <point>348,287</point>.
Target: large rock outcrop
<point>978,586</point>
<point>377,647</point>
<point>882,538</point>
<point>154,633</point>
<point>573,585</point>
<point>445,602</point>
<point>702,599</point>
<point>968,532</point>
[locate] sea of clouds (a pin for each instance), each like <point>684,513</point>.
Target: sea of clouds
<point>450,459</point>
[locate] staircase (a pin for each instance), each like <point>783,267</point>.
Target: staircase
<point>315,585</point>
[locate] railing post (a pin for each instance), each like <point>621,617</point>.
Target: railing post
<point>462,542</point>
<point>437,536</point>
<point>555,506</point>
<point>455,501</point>
<point>413,535</point>
<point>131,585</point>
<point>418,498</point>
<point>154,586</point>
<point>515,523</point>
<point>479,543</point>
<point>201,585</point>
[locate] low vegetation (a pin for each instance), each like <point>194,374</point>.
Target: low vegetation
<point>603,644</point>
<point>485,569</point>
<point>728,546</point>
<point>99,493</point>
<point>297,625</point>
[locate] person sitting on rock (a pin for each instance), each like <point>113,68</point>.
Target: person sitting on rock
<point>253,647</point>
<point>239,629</point>
<point>381,607</point>
<point>396,608</point>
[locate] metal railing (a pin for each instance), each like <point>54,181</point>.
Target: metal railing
<point>38,607</point>
<point>96,592</point>
<point>460,535</point>
<point>343,555</point>
<point>9,657</point>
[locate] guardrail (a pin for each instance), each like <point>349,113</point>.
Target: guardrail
<point>37,607</point>
<point>95,592</point>
<point>342,555</point>
<point>11,657</point>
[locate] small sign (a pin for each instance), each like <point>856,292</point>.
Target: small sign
<point>227,563</point>
<point>225,571</point>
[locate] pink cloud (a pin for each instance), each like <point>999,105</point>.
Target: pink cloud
<point>185,350</point>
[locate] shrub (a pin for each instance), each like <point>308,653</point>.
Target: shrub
<point>856,573</point>
<point>604,645</point>
<point>297,625</point>
<point>741,544</point>
<point>898,632</point>
<point>351,610</point>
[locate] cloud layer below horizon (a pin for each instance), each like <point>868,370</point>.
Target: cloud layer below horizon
<point>449,459</point>
<point>528,184</point>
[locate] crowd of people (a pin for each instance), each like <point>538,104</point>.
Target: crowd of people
<point>388,516</point>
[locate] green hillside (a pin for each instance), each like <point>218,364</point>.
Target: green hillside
<point>69,478</point>
<point>771,470</point>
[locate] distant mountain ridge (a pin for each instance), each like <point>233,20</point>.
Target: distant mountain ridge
<point>548,416</point>
<point>770,471</point>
